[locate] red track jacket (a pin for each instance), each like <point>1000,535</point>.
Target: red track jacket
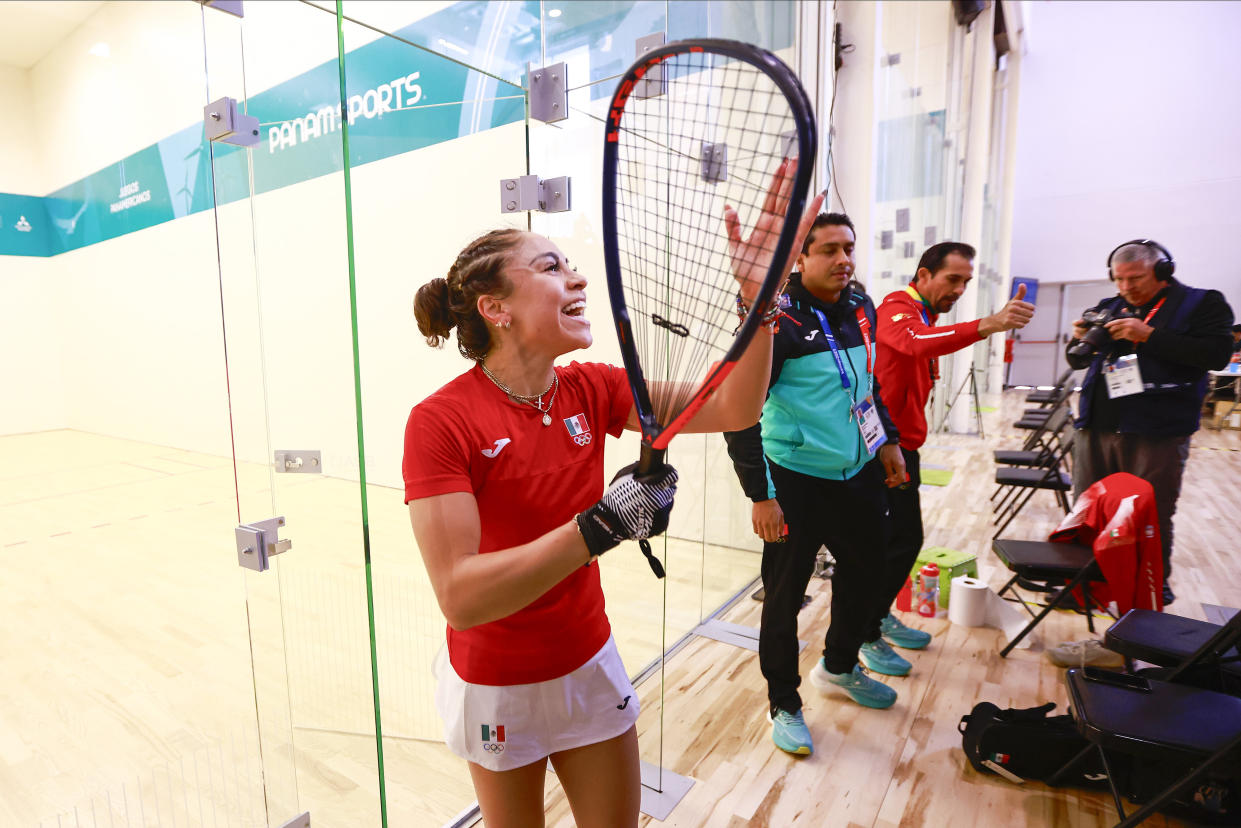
<point>906,364</point>
<point>1117,518</point>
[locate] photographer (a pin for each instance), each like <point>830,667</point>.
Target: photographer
<point>1147,352</point>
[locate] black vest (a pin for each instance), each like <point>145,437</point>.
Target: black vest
<point>1171,403</point>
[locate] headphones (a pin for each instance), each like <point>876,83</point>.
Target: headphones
<point>1164,268</point>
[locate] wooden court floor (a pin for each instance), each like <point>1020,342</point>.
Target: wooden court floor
<point>904,766</point>
<point>115,674</point>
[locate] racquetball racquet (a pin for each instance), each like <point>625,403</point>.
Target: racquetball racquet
<point>694,127</point>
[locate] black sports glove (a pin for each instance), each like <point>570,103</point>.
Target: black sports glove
<point>631,509</point>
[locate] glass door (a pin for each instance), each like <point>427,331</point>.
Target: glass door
<point>129,695</point>
<point>284,248</point>
<point>380,154</point>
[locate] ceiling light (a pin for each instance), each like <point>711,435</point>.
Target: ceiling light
<point>101,49</point>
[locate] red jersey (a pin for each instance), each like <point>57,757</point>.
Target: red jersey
<point>1117,518</point>
<point>906,361</point>
<point>528,478</point>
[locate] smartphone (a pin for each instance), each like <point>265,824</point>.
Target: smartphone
<point>1115,679</point>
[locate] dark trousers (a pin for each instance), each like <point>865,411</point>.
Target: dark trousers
<point>848,517</point>
<point>904,533</point>
<point>1159,461</point>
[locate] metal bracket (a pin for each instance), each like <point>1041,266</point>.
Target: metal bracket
<point>258,542</point>
<point>301,462</point>
<point>223,123</point>
<point>549,93</point>
<point>654,83</point>
<point>529,192</point>
<point>233,7</point>
<point>302,821</point>
<point>714,161</point>
<point>788,144</point>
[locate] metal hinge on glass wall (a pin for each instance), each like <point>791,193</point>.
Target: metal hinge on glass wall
<point>299,462</point>
<point>529,192</point>
<point>224,123</point>
<point>549,93</point>
<point>233,7</point>
<point>258,542</point>
<point>653,83</point>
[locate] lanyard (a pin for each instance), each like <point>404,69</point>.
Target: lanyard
<point>1154,310</point>
<point>863,326</point>
<point>831,342</point>
<point>912,291</point>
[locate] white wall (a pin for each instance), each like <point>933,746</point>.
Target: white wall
<point>32,396</point>
<point>1129,127</point>
<point>21,163</point>
<point>30,372</point>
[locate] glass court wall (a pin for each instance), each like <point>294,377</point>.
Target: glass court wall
<point>234,344</point>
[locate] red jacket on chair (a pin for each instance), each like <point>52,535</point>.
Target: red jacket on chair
<point>1116,517</point>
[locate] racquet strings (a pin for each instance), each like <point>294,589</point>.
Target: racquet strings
<point>715,136</point>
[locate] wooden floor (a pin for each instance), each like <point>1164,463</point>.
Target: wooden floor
<point>904,766</point>
<point>133,646</point>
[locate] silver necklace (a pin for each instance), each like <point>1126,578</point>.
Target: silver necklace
<point>534,400</point>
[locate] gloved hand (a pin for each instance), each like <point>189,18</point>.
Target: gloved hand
<point>631,509</point>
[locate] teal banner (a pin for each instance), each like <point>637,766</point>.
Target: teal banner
<point>399,98</point>
<point>24,226</point>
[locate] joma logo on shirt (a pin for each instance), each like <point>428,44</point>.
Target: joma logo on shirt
<point>497,448</point>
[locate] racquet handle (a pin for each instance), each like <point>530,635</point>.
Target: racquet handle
<point>650,461</point>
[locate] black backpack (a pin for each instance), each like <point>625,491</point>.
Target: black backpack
<point>1021,744</point>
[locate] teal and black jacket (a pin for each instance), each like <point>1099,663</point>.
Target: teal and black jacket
<point>807,424</point>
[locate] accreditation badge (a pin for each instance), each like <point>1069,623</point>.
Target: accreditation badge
<point>868,423</point>
<point>1123,377</point>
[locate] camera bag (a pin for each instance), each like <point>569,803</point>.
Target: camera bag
<point>1027,743</point>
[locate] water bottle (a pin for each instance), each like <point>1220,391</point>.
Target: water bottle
<point>928,590</point>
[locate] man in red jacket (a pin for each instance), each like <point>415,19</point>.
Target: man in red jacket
<point>907,365</point>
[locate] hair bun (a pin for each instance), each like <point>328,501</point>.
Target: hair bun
<point>432,311</point>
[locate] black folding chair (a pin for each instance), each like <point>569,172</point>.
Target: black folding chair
<point>1045,565</point>
<point>1017,485</point>
<point>1036,420</point>
<point>1193,652</point>
<point>1047,441</point>
<point>1133,716</point>
<point>1045,397</point>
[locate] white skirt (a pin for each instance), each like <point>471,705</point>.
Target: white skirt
<point>502,728</point>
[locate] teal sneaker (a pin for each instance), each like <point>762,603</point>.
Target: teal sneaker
<point>879,657</point>
<point>861,688</point>
<point>789,732</point>
<point>900,635</point>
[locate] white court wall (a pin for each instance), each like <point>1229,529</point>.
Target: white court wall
<point>32,396</point>
<point>132,327</point>
<point>21,162</point>
<point>1128,127</point>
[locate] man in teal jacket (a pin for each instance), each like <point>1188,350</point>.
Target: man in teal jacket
<point>818,461</point>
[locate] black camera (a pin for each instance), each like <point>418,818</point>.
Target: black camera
<point>1083,351</point>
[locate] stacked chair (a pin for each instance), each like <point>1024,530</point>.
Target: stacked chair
<point>1046,397</point>
<point>1040,464</point>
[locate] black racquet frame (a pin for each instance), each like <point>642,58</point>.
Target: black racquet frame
<point>656,436</point>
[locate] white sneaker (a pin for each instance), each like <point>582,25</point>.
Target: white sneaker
<point>1088,651</point>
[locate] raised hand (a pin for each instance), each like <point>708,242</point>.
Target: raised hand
<point>751,257</point>
<point>1015,314</point>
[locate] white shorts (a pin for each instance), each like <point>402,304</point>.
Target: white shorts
<point>502,728</point>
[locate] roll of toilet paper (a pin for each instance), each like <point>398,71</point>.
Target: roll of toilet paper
<point>967,601</point>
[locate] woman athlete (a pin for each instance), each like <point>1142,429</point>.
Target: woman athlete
<point>503,474</point>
